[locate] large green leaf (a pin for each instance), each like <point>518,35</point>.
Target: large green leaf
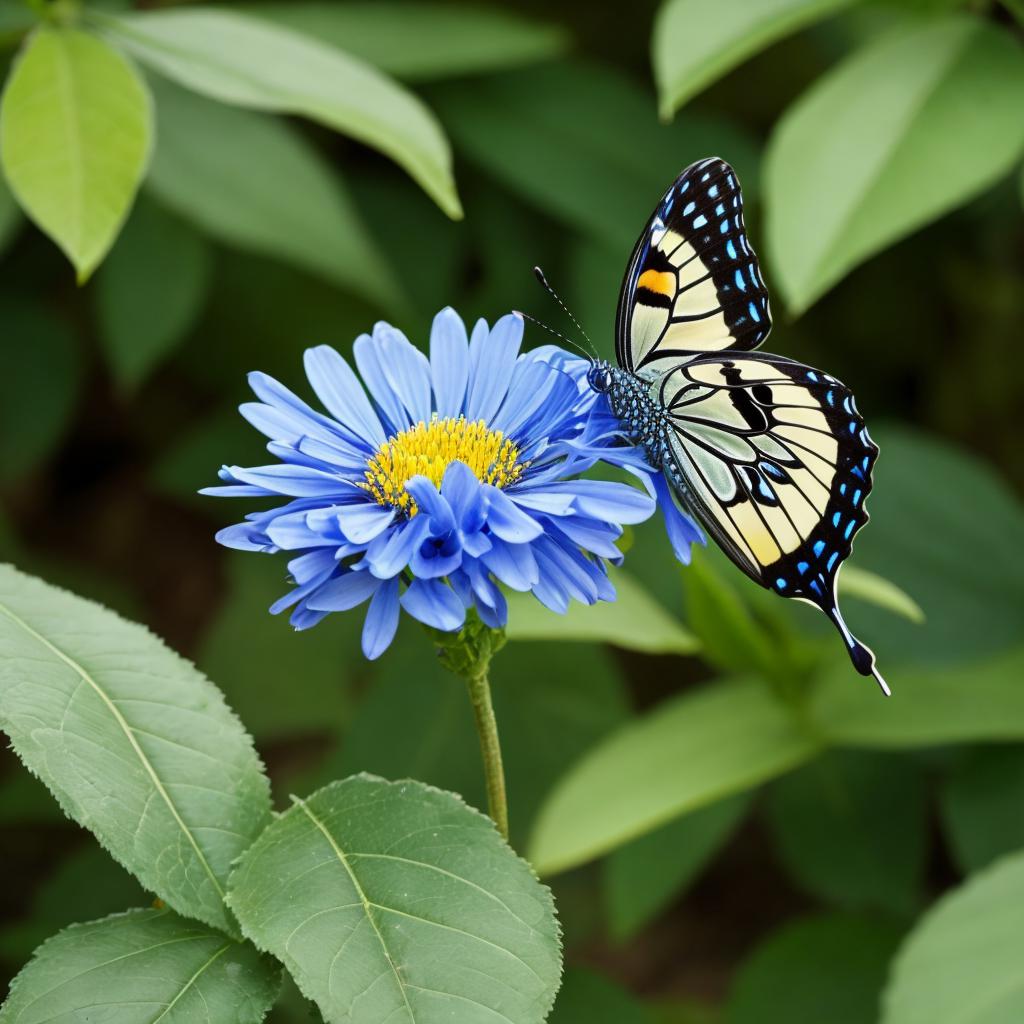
<point>150,291</point>
<point>962,963</point>
<point>634,621</point>
<point>981,700</point>
<point>642,877</point>
<point>436,40</point>
<point>851,828</point>
<point>544,134</point>
<point>135,744</point>
<point>38,387</point>
<point>687,753</point>
<point>981,805</point>
<point>697,41</point>
<point>393,900</point>
<point>75,131</point>
<point>140,967</point>
<point>903,131</point>
<point>821,969</point>
<point>223,169</point>
<point>246,61</point>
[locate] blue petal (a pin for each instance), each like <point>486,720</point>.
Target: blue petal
<point>381,620</point>
<point>300,481</point>
<point>344,592</point>
<point>462,490</point>
<point>402,369</point>
<point>390,553</point>
<point>305,418</point>
<point>369,357</point>
<point>681,530</point>
<point>613,502</point>
<point>449,362</point>
<point>513,564</point>
<point>494,360</point>
<point>313,565</point>
<point>361,523</point>
<point>431,504</point>
<point>506,520</point>
<point>435,604</point>
<point>245,537</point>
<point>595,535</point>
<point>293,533</point>
<point>541,499</point>
<point>343,396</point>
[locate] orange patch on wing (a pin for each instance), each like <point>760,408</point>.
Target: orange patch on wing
<point>659,281</point>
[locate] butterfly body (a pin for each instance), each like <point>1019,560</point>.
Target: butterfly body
<point>769,455</point>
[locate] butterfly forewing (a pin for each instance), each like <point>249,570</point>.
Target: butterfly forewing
<point>775,460</point>
<point>693,284</point>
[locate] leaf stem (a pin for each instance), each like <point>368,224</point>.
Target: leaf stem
<point>490,748</point>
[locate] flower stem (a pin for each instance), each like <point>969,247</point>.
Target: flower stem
<point>490,748</point>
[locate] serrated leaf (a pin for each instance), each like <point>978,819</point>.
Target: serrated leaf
<point>641,878</point>
<point>981,806</point>
<point>634,621</point>
<point>134,743</point>
<point>139,967</point>
<point>823,968</point>
<point>851,166</point>
<point>251,63</point>
<point>395,900</point>
<point>851,829</point>
<point>961,964</point>
<point>686,754</point>
<point>422,41</point>
<point>877,590</point>
<point>150,291</point>
<point>75,133</point>
<point>223,168</point>
<point>697,41</point>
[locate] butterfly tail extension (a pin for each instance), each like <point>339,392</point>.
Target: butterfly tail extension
<point>861,655</point>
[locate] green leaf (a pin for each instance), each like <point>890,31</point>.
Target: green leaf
<point>851,829</point>
<point>10,215</point>
<point>223,169</point>
<point>588,998</point>
<point>643,877</point>
<point>698,41</point>
<point>981,803</point>
<point>975,701</point>
<point>961,964</point>
<point>38,388</point>
<point>877,590</point>
<point>396,900</point>
<point>855,163</point>
<point>821,969</point>
<point>150,291</point>
<point>139,967</point>
<point>634,621</point>
<point>75,133</point>
<point>686,754</point>
<point>437,40</point>
<point>133,742</point>
<point>543,133</point>
<point>251,63</point>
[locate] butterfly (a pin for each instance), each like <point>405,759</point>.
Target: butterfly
<point>770,456</point>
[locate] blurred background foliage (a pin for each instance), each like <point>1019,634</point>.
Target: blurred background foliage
<point>737,828</point>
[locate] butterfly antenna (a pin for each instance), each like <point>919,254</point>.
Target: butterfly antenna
<point>539,274</point>
<point>551,330</point>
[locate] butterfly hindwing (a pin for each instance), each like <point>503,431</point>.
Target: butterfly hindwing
<point>693,284</point>
<point>775,460</point>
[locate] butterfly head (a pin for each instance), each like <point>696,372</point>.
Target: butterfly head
<point>600,376</point>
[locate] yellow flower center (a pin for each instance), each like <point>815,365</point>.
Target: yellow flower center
<point>428,449</point>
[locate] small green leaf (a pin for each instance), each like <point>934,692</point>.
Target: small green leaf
<point>133,742</point>
<point>877,590</point>
<point>642,877</point>
<point>981,805</point>
<point>139,967</point>
<point>393,900</point>
<point>976,701</point>
<point>222,169</point>
<point>687,753</point>
<point>437,40</point>
<point>252,63</point>
<point>39,386</point>
<point>75,133</point>
<point>821,969</point>
<point>851,829</point>
<point>962,964</point>
<point>698,41</point>
<point>634,621</point>
<point>904,130</point>
<point>150,291</point>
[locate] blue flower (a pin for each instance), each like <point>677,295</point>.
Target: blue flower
<point>456,474</point>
